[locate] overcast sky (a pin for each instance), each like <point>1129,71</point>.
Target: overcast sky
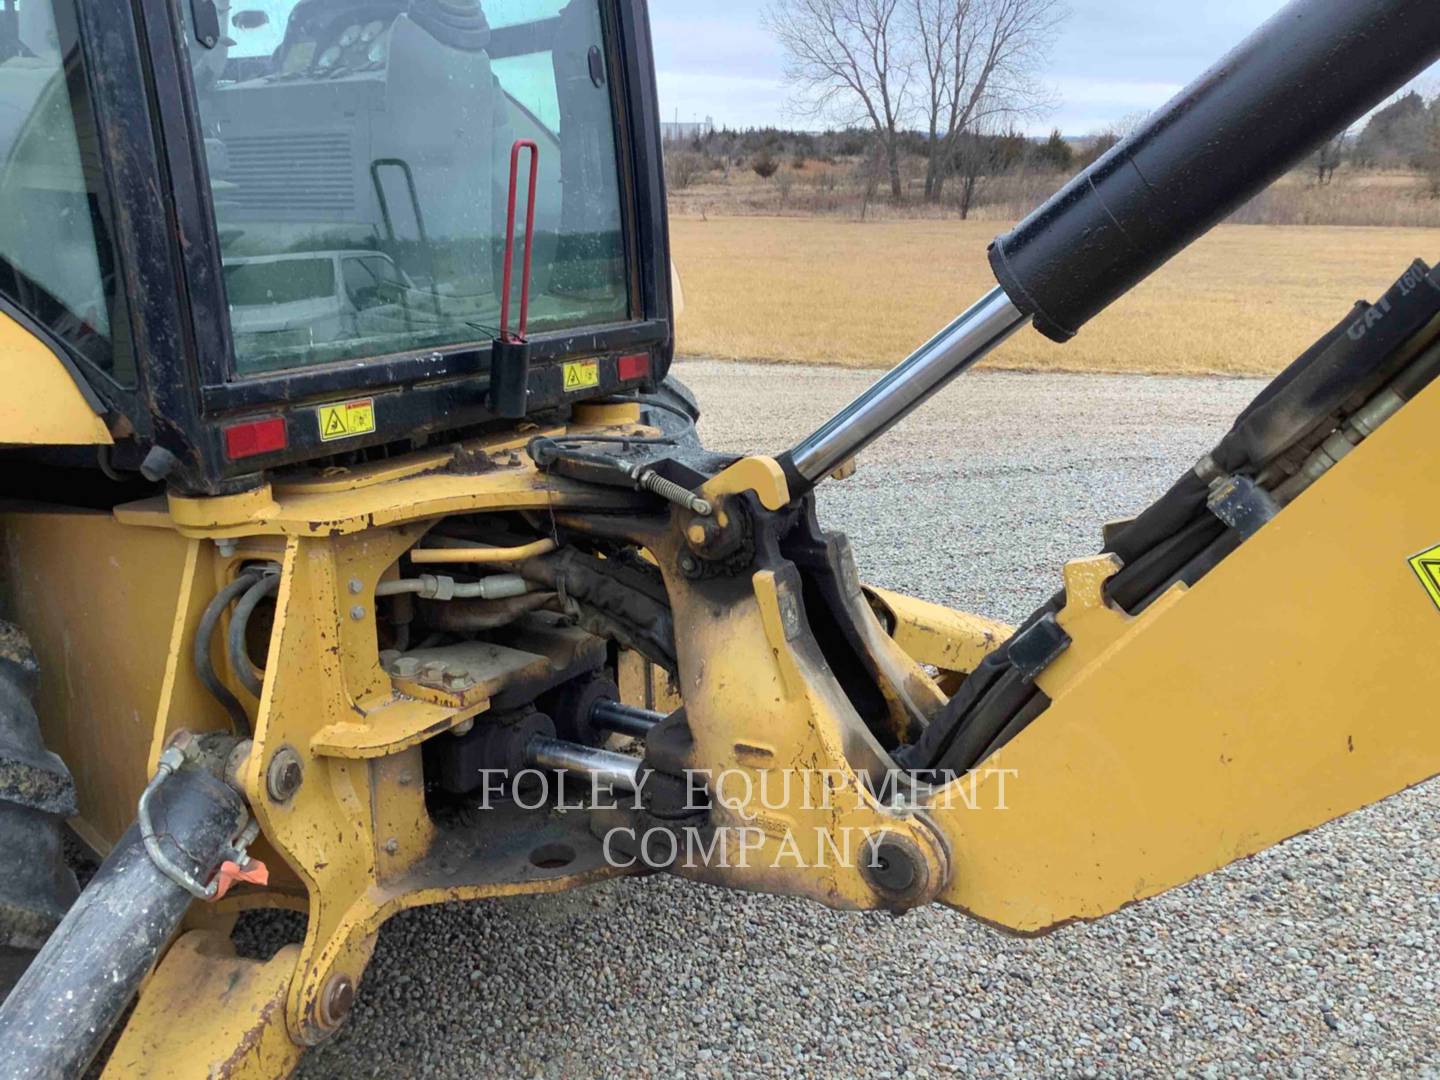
<point>1113,58</point>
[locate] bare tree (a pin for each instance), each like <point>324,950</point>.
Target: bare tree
<point>1329,156</point>
<point>1111,136</point>
<point>977,58</point>
<point>849,58</point>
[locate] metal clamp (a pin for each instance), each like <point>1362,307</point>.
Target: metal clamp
<point>1242,504</point>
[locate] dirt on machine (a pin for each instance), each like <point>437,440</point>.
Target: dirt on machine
<point>359,550</point>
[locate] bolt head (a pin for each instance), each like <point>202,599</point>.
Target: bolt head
<point>898,872</point>
<point>688,563</point>
<point>336,1001</point>
<point>284,776</point>
<point>457,680</point>
<point>356,586</point>
<point>392,846</point>
<point>357,612</point>
<point>463,728</point>
<point>407,667</point>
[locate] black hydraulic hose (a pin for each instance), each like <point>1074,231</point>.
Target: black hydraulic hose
<point>474,616</point>
<point>1224,546</point>
<point>1131,587</point>
<point>1309,72</point>
<point>1011,692</point>
<point>252,678</point>
<point>1023,719</point>
<point>205,634</point>
<point>1162,519</point>
<point>935,742</point>
<point>64,1007</point>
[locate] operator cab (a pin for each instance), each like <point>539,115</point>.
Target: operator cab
<point>313,209</point>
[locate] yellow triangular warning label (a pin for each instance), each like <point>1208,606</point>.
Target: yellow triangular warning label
<point>1427,568</point>
<point>347,419</point>
<point>582,375</point>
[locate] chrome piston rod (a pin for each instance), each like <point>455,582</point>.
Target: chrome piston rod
<point>604,766</point>
<point>906,387</point>
<point>623,719</point>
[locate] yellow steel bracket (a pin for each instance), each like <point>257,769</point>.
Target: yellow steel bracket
<point>953,642</point>
<point>798,784</point>
<point>762,475</point>
<point>334,774</point>
<point>207,1012</point>
<point>1291,685</point>
<point>355,829</point>
<point>796,776</point>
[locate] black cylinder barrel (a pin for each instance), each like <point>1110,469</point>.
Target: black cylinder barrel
<point>1309,72</point>
<point>61,1011</point>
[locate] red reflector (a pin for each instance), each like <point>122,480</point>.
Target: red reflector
<point>256,437</point>
<point>635,366</point>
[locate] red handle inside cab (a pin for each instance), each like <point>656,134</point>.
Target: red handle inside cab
<point>520,144</point>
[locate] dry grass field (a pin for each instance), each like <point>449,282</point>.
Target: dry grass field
<point>1244,300</point>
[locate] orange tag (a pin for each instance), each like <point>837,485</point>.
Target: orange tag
<point>254,872</point>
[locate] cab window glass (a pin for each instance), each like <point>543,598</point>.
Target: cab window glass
<point>57,262</point>
<point>375,136</point>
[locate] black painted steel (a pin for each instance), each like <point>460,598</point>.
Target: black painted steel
<point>1309,72</point>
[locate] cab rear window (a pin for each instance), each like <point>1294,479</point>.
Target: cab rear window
<point>376,136</point>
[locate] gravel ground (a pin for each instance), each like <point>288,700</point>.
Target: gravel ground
<point>1316,958</point>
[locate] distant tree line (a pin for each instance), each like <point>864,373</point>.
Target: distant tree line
<point>1404,135</point>
<point>773,153</point>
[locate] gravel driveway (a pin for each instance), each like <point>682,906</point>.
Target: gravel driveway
<point>1318,958</point>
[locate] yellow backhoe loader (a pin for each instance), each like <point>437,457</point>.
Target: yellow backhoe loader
<point>360,553</point>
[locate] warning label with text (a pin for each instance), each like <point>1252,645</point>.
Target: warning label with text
<point>582,375</point>
<point>347,419</point>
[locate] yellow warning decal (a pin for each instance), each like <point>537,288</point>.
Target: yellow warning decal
<point>582,375</point>
<point>346,420</point>
<point>1427,568</point>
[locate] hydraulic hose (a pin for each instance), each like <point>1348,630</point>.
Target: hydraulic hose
<point>64,1007</point>
<point>205,635</point>
<point>435,587</point>
<point>250,677</point>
